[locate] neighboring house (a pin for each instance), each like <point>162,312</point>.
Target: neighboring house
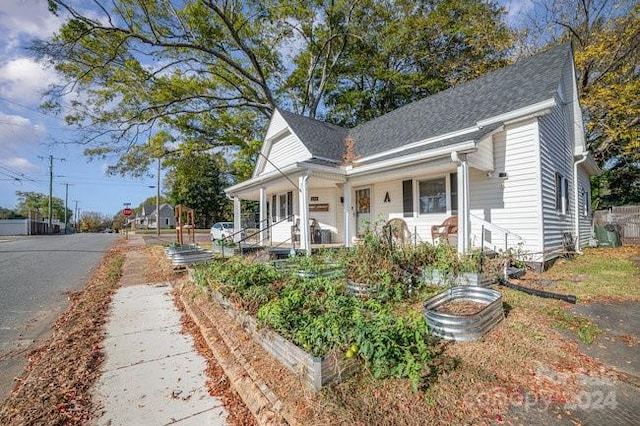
<point>505,153</point>
<point>146,219</point>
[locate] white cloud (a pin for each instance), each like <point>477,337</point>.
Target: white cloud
<point>26,18</point>
<point>24,80</point>
<point>18,134</point>
<point>20,163</point>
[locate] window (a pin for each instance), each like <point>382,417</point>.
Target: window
<point>453,188</point>
<point>166,221</point>
<point>562,194</point>
<point>432,196</point>
<point>290,206</point>
<point>274,209</point>
<point>586,204</point>
<point>285,206</point>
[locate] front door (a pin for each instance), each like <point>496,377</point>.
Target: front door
<point>363,210</point>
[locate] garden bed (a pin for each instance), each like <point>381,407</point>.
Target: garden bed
<point>463,313</point>
<point>315,371</point>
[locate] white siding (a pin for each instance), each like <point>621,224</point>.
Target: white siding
<point>511,203</point>
<point>585,221</point>
<point>483,158</point>
<point>285,151</point>
<point>326,220</point>
<point>420,224</point>
<point>556,155</point>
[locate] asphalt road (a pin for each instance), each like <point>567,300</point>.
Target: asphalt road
<point>36,275</point>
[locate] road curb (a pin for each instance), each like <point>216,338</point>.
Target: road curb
<point>263,403</point>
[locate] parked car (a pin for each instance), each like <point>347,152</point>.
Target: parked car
<point>221,230</point>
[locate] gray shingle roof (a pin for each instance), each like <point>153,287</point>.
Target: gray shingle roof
<point>324,140</point>
<point>524,83</point>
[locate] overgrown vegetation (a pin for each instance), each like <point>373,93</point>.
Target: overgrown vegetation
<point>306,299</point>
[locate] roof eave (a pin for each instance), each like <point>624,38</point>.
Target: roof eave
<point>461,147</point>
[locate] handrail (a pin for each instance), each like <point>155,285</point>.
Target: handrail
<point>489,226</point>
<point>247,236</point>
<point>492,227</point>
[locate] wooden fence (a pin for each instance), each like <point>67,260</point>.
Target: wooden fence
<point>627,218</point>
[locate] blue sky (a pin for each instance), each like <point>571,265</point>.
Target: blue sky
<point>26,134</point>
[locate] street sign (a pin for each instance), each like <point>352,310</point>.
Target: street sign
<point>127,211</point>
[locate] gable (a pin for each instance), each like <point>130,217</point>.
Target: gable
<point>280,148</point>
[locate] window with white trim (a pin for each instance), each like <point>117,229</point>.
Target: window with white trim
<point>285,206</point>
<point>432,196</point>
<point>586,203</point>
<point>562,194</point>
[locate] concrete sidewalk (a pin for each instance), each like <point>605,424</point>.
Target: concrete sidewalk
<point>152,374</point>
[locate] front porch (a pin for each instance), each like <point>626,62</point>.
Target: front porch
<point>340,206</point>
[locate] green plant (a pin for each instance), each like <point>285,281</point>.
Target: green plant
<point>319,316</point>
<point>586,330</point>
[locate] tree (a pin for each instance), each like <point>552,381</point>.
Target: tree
<point>197,180</point>
<point>94,222</point>
<point>407,50</point>
<point>212,73</point>
<point>606,40</point>
<point>29,202</point>
<point>9,214</point>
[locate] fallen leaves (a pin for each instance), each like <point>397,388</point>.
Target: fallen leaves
<point>55,386</point>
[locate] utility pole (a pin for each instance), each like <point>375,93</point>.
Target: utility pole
<point>51,158</point>
<point>75,215</point>
<point>158,202</point>
<point>66,198</point>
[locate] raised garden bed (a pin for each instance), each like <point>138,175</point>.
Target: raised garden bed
<point>463,313</point>
<point>314,371</point>
<point>444,279</point>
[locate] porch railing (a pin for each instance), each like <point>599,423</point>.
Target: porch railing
<point>493,237</point>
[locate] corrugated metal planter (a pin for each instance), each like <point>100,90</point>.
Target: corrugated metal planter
<point>464,327</point>
<point>437,277</point>
<point>474,278</point>
<point>191,258</point>
<point>360,289</point>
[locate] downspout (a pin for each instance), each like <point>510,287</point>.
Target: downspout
<point>576,200</point>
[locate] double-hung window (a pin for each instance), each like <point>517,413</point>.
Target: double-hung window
<point>436,195</point>
<point>285,206</point>
<point>562,194</point>
<point>432,196</point>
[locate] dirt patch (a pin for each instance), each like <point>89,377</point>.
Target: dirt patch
<point>461,307</point>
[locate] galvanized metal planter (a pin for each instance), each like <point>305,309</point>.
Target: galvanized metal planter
<point>191,257</point>
<point>462,327</point>
<point>360,289</point>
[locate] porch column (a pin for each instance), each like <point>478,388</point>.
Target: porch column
<point>348,223</point>
<point>237,218</point>
<point>464,224</point>
<point>305,236</point>
<point>263,215</point>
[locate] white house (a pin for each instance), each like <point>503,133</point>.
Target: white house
<point>505,153</point>
<point>147,217</point>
